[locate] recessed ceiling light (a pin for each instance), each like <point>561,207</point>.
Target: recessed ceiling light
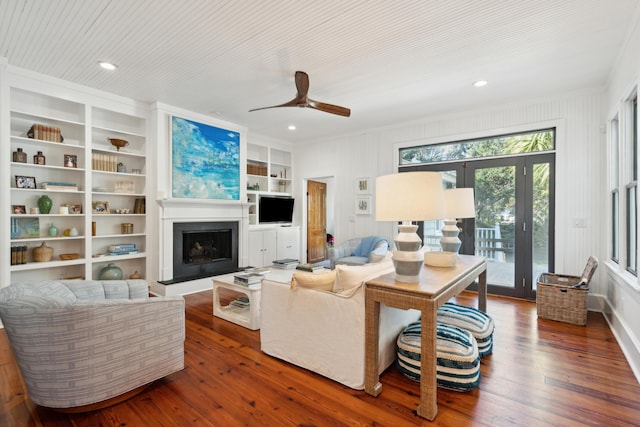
<point>107,65</point>
<point>292,127</point>
<point>480,83</point>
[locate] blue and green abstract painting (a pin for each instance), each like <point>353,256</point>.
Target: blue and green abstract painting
<point>205,161</point>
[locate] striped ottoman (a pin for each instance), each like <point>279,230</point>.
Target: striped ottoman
<point>471,319</point>
<point>458,366</point>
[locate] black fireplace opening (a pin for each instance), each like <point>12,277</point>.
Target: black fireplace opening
<point>204,249</point>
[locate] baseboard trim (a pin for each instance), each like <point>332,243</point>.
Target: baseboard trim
<point>629,345</point>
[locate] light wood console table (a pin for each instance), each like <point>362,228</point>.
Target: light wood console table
<point>436,286</point>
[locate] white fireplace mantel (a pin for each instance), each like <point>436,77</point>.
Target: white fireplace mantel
<point>191,210</point>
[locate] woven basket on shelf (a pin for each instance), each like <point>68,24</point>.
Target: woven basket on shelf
<point>42,253</point>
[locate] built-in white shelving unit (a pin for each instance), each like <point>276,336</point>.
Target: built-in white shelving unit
<point>269,171</point>
<point>86,129</point>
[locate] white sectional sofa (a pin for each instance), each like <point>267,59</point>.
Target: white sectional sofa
<point>324,331</point>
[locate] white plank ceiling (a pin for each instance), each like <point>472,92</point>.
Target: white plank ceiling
<point>389,61</point>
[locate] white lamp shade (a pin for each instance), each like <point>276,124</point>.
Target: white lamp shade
<point>409,196</point>
<point>459,203</point>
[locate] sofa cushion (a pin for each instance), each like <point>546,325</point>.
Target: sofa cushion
<point>49,288</point>
<point>350,277</point>
<point>324,281</point>
<point>458,362</point>
<point>86,289</point>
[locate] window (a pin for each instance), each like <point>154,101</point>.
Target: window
<point>615,190</point>
<point>496,146</point>
<point>632,189</point>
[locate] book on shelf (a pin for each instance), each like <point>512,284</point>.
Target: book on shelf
<point>131,252</point>
<point>310,267</point>
<point>122,247</point>
<point>64,186</point>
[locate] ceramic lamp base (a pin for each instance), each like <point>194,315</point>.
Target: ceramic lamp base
<point>407,258</point>
<point>450,241</point>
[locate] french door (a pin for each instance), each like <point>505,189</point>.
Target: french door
<point>514,223</point>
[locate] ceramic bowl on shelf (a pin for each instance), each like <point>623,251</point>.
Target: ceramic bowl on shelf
<point>118,143</point>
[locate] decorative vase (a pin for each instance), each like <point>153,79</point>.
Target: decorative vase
<point>110,272</point>
<point>45,204</point>
<point>135,275</point>
<point>73,232</point>
<point>20,156</point>
<point>53,230</point>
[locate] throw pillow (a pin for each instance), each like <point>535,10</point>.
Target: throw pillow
<point>350,277</point>
<point>322,281</point>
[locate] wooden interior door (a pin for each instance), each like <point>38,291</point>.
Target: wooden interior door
<point>316,221</point>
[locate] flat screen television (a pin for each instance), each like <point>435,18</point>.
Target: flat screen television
<point>274,209</point>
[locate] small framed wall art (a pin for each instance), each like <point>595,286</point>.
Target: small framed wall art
<point>363,205</point>
<point>363,185</point>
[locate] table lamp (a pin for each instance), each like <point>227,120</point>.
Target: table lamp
<point>458,203</point>
<point>406,197</point>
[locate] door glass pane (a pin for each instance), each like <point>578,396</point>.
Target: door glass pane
<point>433,229</point>
<point>495,222</point>
<point>540,232</point>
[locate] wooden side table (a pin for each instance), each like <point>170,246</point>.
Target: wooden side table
<point>435,287</point>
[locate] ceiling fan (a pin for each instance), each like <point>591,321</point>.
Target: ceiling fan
<point>303,101</point>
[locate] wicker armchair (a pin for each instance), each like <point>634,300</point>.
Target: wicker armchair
<point>83,345</point>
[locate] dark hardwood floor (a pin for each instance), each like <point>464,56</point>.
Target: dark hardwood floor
<point>541,373</point>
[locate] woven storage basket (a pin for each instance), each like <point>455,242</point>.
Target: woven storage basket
<point>557,299</point>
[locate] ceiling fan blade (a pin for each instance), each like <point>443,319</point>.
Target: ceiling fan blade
<point>329,108</point>
<point>293,103</point>
<point>302,84</point>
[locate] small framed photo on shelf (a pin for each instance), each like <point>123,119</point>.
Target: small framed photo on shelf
<point>98,207</point>
<point>75,208</point>
<point>26,182</point>
<point>70,161</point>
<point>18,209</point>
<point>363,185</point>
<point>363,205</point>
